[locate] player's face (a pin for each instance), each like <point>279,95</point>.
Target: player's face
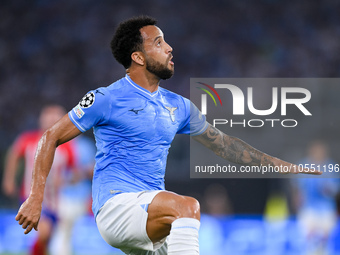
<point>158,53</point>
<point>50,115</point>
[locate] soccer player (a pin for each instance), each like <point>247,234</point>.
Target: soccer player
<point>134,122</point>
<point>314,198</point>
<point>24,148</point>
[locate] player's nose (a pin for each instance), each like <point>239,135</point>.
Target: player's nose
<point>168,48</point>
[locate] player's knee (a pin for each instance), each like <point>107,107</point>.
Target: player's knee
<point>190,208</point>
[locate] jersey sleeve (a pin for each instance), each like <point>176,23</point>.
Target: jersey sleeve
<point>194,123</point>
<point>91,110</point>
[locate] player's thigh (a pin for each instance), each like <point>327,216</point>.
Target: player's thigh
<point>123,218</point>
<point>45,228</point>
<point>164,209</point>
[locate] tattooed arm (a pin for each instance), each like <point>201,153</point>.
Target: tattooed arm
<point>237,151</point>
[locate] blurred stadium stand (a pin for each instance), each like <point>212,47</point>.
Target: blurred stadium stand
<point>237,235</point>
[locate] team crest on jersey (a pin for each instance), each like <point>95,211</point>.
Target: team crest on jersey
<point>87,100</point>
<point>78,111</point>
<point>171,112</point>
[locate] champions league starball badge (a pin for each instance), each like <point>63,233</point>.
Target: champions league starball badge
<point>87,100</point>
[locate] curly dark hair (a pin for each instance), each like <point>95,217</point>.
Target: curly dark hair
<point>128,38</point>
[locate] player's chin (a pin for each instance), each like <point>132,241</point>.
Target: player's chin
<point>168,74</point>
<point>166,77</point>
<point>171,70</point>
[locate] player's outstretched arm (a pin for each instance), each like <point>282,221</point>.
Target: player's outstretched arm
<point>10,170</point>
<point>29,212</point>
<point>237,151</point>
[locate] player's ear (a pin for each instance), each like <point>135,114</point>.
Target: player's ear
<point>138,57</point>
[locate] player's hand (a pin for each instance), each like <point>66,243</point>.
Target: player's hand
<point>29,214</point>
<point>288,168</point>
<point>295,169</point>
<point>300,170</point>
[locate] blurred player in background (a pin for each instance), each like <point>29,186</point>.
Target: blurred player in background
<point>314,198</point>
<point>24,148</point>
<point>75,195</point>
<point>134,122</point>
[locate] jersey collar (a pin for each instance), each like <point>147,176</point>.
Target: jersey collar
<point>141,89</point>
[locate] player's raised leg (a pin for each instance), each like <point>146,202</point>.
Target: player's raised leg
<point>178,218</point>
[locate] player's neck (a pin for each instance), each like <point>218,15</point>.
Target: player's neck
<point>146,80</point>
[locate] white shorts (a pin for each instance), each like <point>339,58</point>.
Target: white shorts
<point>122,223</point>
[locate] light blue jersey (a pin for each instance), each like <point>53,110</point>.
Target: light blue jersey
<point>133,129</point>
